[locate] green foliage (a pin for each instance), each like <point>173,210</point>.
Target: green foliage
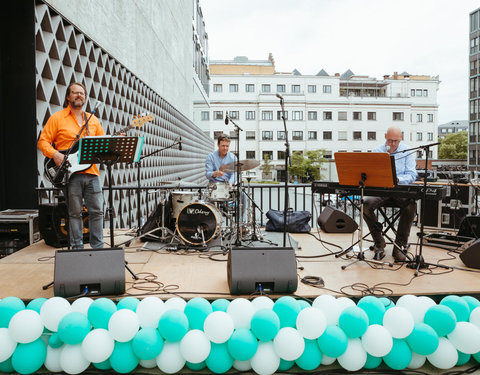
<point>454,146</point>
<point>266,167</point>
<point>307,167</point>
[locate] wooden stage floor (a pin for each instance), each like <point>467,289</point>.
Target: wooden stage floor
<point>190,273</point>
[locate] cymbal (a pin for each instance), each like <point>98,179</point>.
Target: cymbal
<point>178,183</point>
<point>245,165</point>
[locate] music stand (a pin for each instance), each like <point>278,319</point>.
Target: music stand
<point>109,150</point>
<point>374,169</point>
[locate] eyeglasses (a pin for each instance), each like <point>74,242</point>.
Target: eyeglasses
<point>81,93</point>
<point>394,140</point>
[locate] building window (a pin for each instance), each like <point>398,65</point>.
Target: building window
<point>357,136</point>
<point>430,117</point>
<point>327,135</point>
<point>327,89</point>
<point>216,135</point>
<point>429,136</point>
<point>280,88</point>
<point>419,117</point>
<point>312,135</point>
<point>327,115</point>
<point>279,115</point>
<point>233,87</point>
<point>419,154</point>
<point>371,116</point>
<point>217,87</point>
<point>267,135</point>
<point>250,115</point>
<point>412,92</point>
<point>281,135</point>
<point>342,116</point>
<point>205,115</point>
<point>218,115</point>
<point>250,135</point>
<point>249,87</point>
<point>267,115</point>
<point>297,115</point>
<point>234,115</point>
<point>312,89</point>
<point>267,155</point>
<point>266,88</point>
<point>425,92</point>
<point>250,154</point>
<point>297,135</point>
<point>327,155</point>
<point>296,89</point>
<point>342,135</point>
<point>312,115</point>
<point>372,136</point>
<point>397,116</point>
<point>280,155</point>
<point>419,136</point>
<point>357,115</point>
<point>418,92</point>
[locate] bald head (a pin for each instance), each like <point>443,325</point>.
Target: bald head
<point>393,136</point>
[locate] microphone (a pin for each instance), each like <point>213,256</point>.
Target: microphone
<point>279,96</point>
<point>97,105</point>
<point>180,144</point>
<point>387,148</point>
<point>226,118</point>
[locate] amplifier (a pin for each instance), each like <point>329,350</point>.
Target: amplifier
<point>18,229</point>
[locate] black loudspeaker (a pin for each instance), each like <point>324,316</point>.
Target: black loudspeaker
<point>53,223</point>
<point>471,255</point>
<point>94,272</point>
<point>470,227</point>
<point>266,269</point>
<point>332,220</point>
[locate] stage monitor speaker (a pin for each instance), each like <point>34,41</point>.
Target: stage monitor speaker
<point>266,269</point>
<point>332,220</point>
<point>471,255</point>
<point>100,271</point>
<point>470,226</point>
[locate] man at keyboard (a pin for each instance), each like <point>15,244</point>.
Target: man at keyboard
<point>406,173</point>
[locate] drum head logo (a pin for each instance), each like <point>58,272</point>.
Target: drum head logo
<point>197,211</point>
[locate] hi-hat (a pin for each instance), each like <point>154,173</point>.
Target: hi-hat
<point>245,165</point>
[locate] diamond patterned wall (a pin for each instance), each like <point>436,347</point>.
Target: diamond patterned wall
<point>63,55</point>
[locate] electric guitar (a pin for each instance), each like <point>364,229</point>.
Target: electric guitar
<point>57,174</point>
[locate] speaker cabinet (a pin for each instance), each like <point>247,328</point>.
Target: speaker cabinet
<point>100,271</point>
<point>470,226</point>
<point>268,269</point>
<point>332,220</point>
<point>471,255</point>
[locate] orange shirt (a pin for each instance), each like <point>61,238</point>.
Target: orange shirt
<point>61,129</point>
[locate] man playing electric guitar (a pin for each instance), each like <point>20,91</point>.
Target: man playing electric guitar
<point>63,129</point>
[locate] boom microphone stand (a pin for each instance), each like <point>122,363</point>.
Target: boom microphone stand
<point>288,161</point>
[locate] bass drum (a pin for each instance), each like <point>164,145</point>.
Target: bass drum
<point>198,223</point>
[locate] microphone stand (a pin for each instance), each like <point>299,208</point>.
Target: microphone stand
<point>287,163</point>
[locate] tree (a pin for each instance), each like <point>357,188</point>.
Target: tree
<point>266,167</point>
<point>454,146</point>
<point>307,167</point>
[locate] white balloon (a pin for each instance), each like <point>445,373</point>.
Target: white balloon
<point>427,302</point>
<point>265,361</point>
<point>170,360</point>
<point>354,357</point>
<point>98,345</point>
<point>195,346</point>
<point>241,310</point>
<point>327,361</point>
<point>398,321</point>
<point>329,306</point>
<point>53,310</point>
<point>25,326</point>
<point>242,365</point>
<point>149,311</point>
<point>52,362</point>
<point>123,325</point>
<point>262,302</point>
<point>417,361</point>
<point>218,327</point>
<point>466,338</point>
<point>344,302</point>
<point>311,323</point>
<point>72,359</point>
<point>445,357</point>
<point>475,316</point>
<point>289,344</point>
<point>7,345</point>
<point>81,305</point>
<point>175,303</point>
<point>148,363</point>
<point>415,305</point>
<point>377,341</point>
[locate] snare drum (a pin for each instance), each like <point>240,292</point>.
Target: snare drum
<point>198,223</point>
<point>219,191</point>
<point>180,199</point>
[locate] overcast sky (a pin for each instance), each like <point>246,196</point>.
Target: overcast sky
<point>370,37</point>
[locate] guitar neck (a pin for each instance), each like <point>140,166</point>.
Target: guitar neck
<point>123,130</point>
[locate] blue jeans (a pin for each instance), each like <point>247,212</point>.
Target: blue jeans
<point>85,187</point>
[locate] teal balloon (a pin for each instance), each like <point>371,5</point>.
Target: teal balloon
<point>36,304</point>
<point>311,356</point>
<point>476,357</point>
<point>173,325</point>
<point>123,359</point>
<point>441,318</point>
<point>463,358</point>
<point>28,358</point>
<point>333,342</point>
<point>220,304</point>
<point>287,309</point>
<point>197,310</point>
<point>73,328</point>
<point>219,360</point>
<point>303,304</point>
<point>9,306</point>
<point>353,321</point>
<point>285,365</point>
<point>423,339</point>
<point>242,345</point>
<point>130,303</point>
<point>459,307</point>
<point>6,366</point>
<point>105,365</point>
<point>265,324</point>
<point>147,343</point>
<point>400,356</point>
<point>374,308</point>
<point>472,302</point>
<point>387,302</point>
<point>196,366</point>
<point>100,311</point>
<point>372,362</point>
<point>55,341</point>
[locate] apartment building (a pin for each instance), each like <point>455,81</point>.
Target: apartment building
<point>474,97</point>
